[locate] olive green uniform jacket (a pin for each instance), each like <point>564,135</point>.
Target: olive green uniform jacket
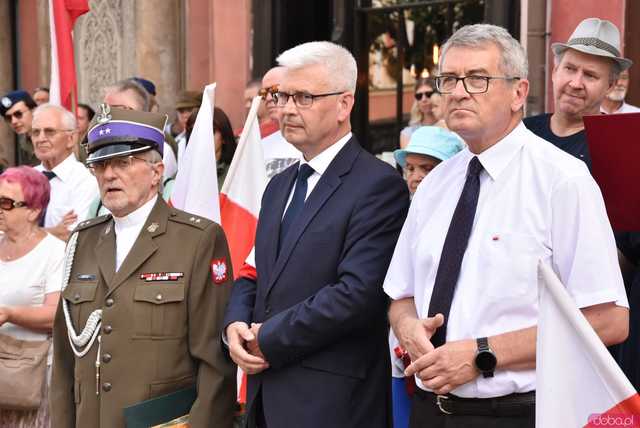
<point>157,336</point>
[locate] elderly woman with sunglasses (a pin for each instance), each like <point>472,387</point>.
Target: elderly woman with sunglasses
<point>30,271</point>
<point>422,110</point>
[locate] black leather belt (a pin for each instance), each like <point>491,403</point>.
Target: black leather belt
<point>509,405</point>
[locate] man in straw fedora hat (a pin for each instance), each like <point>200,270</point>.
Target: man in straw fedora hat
<point>586,68</point>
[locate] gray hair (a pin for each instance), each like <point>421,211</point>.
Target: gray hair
<point>143,98</point>
<point>340,64</point>
<point>513,61</point>
<point>67,119</point>
<point>616,69</point>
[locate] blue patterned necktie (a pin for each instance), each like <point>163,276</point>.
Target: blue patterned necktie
<point>297,201</point>
<point>455,244</point>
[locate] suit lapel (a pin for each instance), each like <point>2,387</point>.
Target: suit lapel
<point>275,215</point>
<point>105,251</point>
<point>327,185</point>
<point>144,246</point>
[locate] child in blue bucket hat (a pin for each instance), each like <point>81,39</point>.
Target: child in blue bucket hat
<point>429,145</point>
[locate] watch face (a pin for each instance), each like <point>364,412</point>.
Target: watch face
<point>486,361</point>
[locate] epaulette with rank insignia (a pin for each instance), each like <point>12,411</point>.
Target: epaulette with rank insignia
<point>92,222</point>
<point>186,218</point>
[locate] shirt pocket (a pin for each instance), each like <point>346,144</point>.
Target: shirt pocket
<point>511,261</point>
<point>159,311</point>
<point>80,297</point>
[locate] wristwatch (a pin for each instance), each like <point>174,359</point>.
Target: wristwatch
<point>485,358</point>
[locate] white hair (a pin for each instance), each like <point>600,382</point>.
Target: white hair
<point>67,119</point>
<point>339,63</point>
<point>513,59</point>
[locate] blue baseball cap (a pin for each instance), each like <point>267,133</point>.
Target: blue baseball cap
<point>13,97</point>
<point>431,141</point>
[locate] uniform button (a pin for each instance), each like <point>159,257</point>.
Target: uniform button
<point>267,310</point>
<point>158,297</point>
<point>107,329</point>
<point>76,296</point>
<point>106,358</point>
<point>109,302</point>
<point>106,387</point>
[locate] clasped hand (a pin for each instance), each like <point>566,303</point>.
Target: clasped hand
<point>440,369</point>
<point>244,348</point>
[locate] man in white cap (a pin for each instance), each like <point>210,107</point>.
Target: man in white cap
<point>614,101</point>
<point>586,68</point>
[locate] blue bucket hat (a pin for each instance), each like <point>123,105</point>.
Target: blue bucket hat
<point>432,141</point>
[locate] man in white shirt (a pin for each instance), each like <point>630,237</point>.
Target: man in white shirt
<point>73,188</point>
<point>614,101</point>
<point>464,272</point>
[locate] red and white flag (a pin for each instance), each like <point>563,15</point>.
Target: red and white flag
<point>240,199</point>
<point>62,17</point>
<point>196,186</point>
<point>242,190</point>
<point>578,382</point>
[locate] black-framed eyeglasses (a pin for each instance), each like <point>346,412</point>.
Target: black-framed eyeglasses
<point>118,164</point>
<point>420,95</point>
<point>472,84</point>
<point>17,114</point>
<point>47,132</point>
<point>300,99</point>
<point>7,204</point>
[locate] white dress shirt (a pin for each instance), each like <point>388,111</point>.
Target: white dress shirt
<point>278,153</point>
<point>128,228</point>
<point>320,163</point>
<point>536,203</point>
<point>624,108</point>
<point>73,188</point>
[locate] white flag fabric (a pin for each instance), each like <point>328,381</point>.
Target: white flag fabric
<point>578,383</point>
<point>54,83</point>
<point>196,186</point>
<point>242,190</point>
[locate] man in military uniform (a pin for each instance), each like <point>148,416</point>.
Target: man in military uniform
<point>146,289</point>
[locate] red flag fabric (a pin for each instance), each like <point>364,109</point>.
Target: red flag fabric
<point>63,71</point>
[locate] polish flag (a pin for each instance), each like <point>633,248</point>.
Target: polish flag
<point>62,17</point>
<point>196,187</point>
<point>242,191</point>
<point>578,382</point>
<point>240,199</point>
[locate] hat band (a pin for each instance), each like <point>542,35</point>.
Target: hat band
<point>592,41</point>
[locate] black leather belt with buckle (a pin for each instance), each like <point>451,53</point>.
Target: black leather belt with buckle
<point>509,405</point>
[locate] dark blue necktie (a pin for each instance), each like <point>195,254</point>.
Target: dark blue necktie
<point>50,175</point>
<point>455,244</point>
<point>297,200</point>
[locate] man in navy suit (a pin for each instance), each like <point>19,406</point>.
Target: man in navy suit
<point>311,330</point>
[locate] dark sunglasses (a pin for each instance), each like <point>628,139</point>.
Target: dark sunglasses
<point>7,204</point>
<point>428,94</point>
<point>17,114</point>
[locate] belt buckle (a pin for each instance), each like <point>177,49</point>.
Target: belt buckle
<point>439,399</point>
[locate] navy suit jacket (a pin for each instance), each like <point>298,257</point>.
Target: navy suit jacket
<point>320,298</point>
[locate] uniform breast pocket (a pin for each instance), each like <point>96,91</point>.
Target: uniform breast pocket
<point>160,311</point>
<point>512,265</point>
<point>80,297</point>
